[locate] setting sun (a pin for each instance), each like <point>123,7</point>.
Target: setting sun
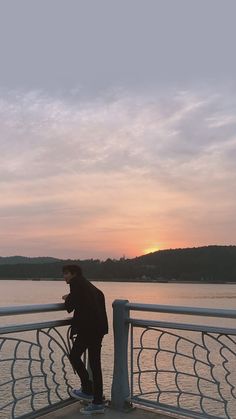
<point>151,250</point>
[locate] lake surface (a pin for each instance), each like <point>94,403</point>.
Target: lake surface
<point>193,295</point>
<point>42,292</point>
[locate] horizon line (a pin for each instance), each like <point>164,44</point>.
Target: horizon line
<point>122,257</point>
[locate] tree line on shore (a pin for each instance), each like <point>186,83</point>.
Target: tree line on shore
<point>205,264</point>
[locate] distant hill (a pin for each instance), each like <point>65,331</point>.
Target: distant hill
<point>13,260</point>
<point>201,264</point>
<point>208,263</point>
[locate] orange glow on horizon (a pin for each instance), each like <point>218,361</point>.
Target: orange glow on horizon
<point>151,250</point>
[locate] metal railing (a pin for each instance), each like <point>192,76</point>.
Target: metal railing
<point>34,363</point>
<point>183,368</point>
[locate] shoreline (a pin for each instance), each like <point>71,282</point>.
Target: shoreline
<point>120,280</point>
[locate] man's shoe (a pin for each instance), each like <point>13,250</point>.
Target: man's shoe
<point>80,395</point>
<point>93,409</point>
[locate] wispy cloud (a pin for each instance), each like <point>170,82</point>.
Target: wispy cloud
<point>136,168</point>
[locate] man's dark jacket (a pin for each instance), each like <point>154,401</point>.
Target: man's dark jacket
<point>88,303</point>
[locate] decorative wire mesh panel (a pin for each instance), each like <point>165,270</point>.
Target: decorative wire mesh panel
<point>35,371</point>
<point>184,371</point>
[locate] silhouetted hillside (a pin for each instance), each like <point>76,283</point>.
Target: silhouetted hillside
<point>207,264</point>
<point>14,260</point>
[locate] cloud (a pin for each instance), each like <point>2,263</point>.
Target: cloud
<point>118,165</point>
<point>42,136</point>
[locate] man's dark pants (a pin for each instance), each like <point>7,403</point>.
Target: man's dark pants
<point>93,345</point>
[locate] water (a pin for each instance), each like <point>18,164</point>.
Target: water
<point>46,292</point>
<point>42,292</point>
<point>193,295</point>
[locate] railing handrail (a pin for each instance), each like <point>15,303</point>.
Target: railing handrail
<point>23,327</point>
<point>194,311</point>
<point>182,326</point>
<point>158,308</point>
<point>32,308</point>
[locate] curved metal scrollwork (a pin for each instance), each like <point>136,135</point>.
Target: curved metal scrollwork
<point>191,372</point>
<point>34,371</point>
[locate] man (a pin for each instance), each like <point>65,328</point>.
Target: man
<point>89,324</point>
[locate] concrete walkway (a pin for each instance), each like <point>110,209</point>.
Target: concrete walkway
<point>73,412</point>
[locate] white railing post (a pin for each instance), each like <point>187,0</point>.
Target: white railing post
<point>120,385</point>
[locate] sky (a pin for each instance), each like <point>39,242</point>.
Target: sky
<point>117,126</point>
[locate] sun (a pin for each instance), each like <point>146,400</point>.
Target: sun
<point>151,250</point>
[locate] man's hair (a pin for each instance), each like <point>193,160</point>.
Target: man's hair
<point>73,269</point>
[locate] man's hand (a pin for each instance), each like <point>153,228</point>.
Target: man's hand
<point>64,297</point>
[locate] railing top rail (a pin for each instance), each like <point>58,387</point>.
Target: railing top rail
<point>194,311</point>
<point>33,326</point>
<point>183,326</point>
<point>29,309</point>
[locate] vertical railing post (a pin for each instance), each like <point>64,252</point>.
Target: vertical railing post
<point>120,385</point>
